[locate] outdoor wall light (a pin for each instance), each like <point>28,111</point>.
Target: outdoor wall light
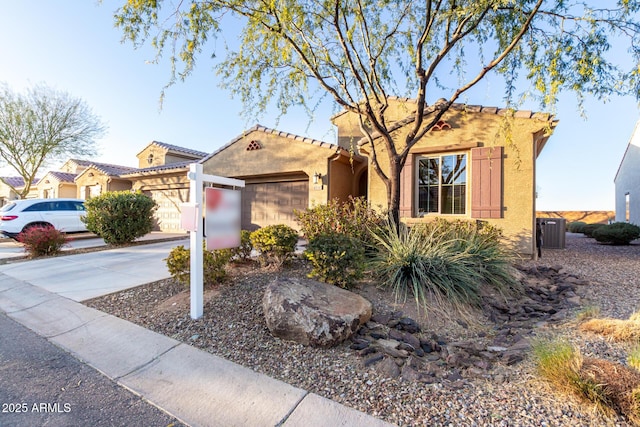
<point>317,177</point>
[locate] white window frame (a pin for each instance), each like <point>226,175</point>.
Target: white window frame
<point>467,198</point>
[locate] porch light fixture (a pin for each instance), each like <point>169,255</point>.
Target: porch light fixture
<point>317,177</point>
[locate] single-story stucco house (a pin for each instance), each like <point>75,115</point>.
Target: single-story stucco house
<point>627,182</point>
<point>285,172</point>
<point>477,163</point>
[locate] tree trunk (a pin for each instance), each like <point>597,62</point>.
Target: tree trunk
<point>393,190</point>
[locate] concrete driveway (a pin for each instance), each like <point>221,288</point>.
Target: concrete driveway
<point>84,276</point>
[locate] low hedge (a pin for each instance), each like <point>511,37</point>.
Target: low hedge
<point>618,233</point>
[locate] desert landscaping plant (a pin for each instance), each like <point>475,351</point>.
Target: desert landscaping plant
<point>354,218</point>
<point>120,216</point>
<point>634,357</point>
<point>276,244</point>
<point>336,259</point>
<point>618,233</point>
<point>214,262</point>
<point>576,226</point>
<point>441,263</point>
<point>42,240</point>
<point>610,387</point>
<point>589,229</point>
<point>615,329</point>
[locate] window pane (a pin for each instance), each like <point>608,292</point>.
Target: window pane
<point>446,193</point>
<point>448,169</point>
<point>460,199</point>
<point>461,169</point>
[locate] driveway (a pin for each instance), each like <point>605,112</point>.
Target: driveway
<point>85,276</point>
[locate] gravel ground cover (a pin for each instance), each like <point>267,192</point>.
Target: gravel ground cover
<point>233,327</point>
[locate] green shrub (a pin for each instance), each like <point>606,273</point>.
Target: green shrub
<point>120,216</point>
<point>213,263</point>
<point>588,229</point>
<point>576,227</point>
<point>276,243</point>
<point>618,233</point>
<point>353,218</point>
<point>243,252</point>
<point>41,240</point>
<point>336,259</point>
<point>441,262</point>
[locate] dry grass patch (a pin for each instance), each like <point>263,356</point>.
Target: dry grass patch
<point>611,387</point>
<point>616,329</point>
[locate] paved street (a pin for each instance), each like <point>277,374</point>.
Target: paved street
<point>42,385</point>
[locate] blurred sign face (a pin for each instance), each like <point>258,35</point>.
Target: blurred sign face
<point>222,218</point>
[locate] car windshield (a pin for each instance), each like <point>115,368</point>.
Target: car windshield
<point>8,207</point>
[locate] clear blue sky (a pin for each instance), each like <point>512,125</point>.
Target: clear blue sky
<point>71,45</point>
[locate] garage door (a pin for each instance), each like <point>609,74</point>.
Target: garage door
<point>168,213</point>
<point>270,203</point>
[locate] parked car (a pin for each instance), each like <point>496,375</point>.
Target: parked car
<point>63,214</point>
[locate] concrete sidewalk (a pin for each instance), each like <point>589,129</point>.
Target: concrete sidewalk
<point>194,386</point>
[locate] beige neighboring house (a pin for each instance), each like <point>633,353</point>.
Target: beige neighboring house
<point>284,172</point>
<point>98,178</point>
<point>162,174</point>
<point>478,163</point>
<point>56,184</point>
<point>6,192</point>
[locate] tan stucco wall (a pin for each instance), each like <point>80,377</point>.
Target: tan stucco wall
<point>484,129</point>
<point>106,183</point>
<point>158,156</point>
<point>279,155</point>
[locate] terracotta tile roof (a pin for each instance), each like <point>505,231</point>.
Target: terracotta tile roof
<point>178,149</point>
<point>260,128</point>
<point>14,181</point>
<point>151,170</point>
<point>62,176</point>
<point>81,162</point>
<point>112,170</point>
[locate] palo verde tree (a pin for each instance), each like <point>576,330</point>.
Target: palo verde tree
<point>43,125</point>
<point>362,52</point>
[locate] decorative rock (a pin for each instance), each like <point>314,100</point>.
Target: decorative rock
<point>376,357</point>
<point>410,374</point>
<point>313,313</point>
<point>388,368</point>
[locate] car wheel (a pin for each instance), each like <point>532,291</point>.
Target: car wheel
<point>36,224</point>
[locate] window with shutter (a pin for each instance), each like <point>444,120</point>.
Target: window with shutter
<point>486,182</point>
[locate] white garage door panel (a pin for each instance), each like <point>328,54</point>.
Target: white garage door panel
<point>273,203</point>
<point>168,212</point>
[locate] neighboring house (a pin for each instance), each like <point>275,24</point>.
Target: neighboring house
<point>627,182</point>
<point>56,184</point>
<point>285,172</point>
<point>7,194</point>
<point>162,174</point>
<point>99,178</point>
<point>464,168</point>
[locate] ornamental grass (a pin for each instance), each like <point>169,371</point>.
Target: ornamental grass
<point>441,264</point>
<point>617,329</point>
<point>610,387</point>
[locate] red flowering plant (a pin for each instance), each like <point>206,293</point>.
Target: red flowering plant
<point>41,240</point>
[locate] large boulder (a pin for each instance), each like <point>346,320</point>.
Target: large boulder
<point>313,313</point>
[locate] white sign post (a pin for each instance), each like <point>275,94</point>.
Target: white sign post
<point>197,179</point>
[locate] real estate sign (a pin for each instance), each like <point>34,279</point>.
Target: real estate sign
<point>222,218</point>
